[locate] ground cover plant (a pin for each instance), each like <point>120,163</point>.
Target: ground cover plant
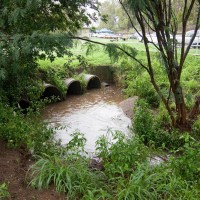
<point>4,191</point>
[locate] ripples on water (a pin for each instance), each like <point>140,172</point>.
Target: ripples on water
<point>92,114</point>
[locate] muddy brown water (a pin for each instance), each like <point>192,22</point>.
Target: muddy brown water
<point>93,114</point>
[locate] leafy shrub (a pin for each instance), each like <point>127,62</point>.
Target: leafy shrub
<point>190,79</point>
<point>196,128</point>
<point>120,154</point>
<point>187,165</point>
<point>144,89</point>
<point>143,121</point>
<point>136,82</point>
<point>25,131</point>
<point>151,130</point>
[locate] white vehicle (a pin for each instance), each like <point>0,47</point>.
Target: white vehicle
<point>188,37</point>
<point>151,38</point>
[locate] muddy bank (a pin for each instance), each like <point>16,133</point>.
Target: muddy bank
<point>14,165</point>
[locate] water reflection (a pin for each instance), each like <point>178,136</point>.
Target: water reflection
<point>92,114</point>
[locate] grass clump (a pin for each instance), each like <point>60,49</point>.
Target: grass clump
<point>68,171</point>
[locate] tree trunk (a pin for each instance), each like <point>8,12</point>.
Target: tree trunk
<point>181,120</point>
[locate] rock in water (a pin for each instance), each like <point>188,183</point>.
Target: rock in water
<point>127,106</point>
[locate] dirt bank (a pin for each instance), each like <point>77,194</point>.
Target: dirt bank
<point>13,168</point>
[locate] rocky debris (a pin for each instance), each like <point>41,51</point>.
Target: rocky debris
<point>127,106</point>
<point>96,163</point>
<point>157,160</point>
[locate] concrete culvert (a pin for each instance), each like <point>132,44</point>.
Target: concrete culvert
<point>92,81</point>
<point>50,91</point>
<point>73,86</point>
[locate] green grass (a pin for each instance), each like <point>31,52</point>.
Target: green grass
<point>99,57</point>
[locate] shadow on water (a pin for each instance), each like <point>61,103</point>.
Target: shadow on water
<point>92,113</point>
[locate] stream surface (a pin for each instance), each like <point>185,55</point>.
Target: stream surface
<point>93,114</point>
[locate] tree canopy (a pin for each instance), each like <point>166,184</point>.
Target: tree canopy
<point>117,19</point>
<point>36,29</point>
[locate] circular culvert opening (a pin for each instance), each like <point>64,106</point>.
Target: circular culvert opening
<point>93,83</point>
<point>74,88</point>
<point>51,91</point>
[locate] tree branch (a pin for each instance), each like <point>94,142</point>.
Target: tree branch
<point>121,49</point>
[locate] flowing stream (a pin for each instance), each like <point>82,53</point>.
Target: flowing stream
<point>93,114</point>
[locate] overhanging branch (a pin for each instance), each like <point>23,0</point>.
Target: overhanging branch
<point>121,49</point>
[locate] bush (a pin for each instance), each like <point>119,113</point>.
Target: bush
<point>120,154</point>
<point>29,131</point>
<point>150,128</point>
<point>187,165</point>
<point>196,128</point>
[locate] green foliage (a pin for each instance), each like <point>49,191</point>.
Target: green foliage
<point>156,183</point>
<point>191,79</point>
<point>120,154</point>
<point>27,131</point>
<point>155,130</point>
<point>196,128</point>
<point>143,120</point>
<point>136,82</point>
<point>187,165</point>
<point>117,51</point>
<point>69,172</point>
<point>76,144</point>
<point>4,191</point>
<point>83,82</point>
<point>127,173</point>
<point>36,30</point>
<point>55,76</point>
